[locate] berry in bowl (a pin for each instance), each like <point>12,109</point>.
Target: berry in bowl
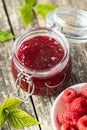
<point>69,111</point>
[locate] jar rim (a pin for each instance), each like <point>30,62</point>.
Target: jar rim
<point>70,11</point>
<point>48,32</point>
<point>71,22</point>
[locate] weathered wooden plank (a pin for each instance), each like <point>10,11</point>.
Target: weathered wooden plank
<point>3,86</point>
<point>80,63</point>
<point>3,18</point>
<point>43,108</point>
<point>6,77</point>
<point>14,15</point>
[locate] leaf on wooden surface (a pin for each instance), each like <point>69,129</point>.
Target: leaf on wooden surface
<point>44,9</point>
<point>5,36</point>
<point>20,119</point>
<point>11,103</point>
<point>3,117</point>
<point>26,14</point>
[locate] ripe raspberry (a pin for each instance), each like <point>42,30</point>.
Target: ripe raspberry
<point>68,117</point>
<point>68,106</point>
<point>81,95</point>
<point>67,127</point>
<point>84,90</point>
<point>61,117</point>
<point>74,117</point>
<point>69,95</point>
<point>79,105</point>
<point>71,117</point>
<point>82,123</point>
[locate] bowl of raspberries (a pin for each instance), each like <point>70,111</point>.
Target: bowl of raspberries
<point>69,111</point>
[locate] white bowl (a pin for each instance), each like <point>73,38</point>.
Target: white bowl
<point>58,106</point>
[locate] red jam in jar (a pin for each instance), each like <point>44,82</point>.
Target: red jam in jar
<point>40,53</point>
<point>43,55</point>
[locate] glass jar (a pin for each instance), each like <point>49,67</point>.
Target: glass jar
<point>45,46</point>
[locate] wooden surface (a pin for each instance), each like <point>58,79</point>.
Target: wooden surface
<point>38,107</point>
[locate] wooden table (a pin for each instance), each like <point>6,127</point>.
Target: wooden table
<point>39,107</point>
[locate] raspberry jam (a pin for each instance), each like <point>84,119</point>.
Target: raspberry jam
<point>44,58</point>
<point>40,53</point>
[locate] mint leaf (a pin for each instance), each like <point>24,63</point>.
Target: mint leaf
<point>4,36</point>
<point>20,119</point>
<point>3,117</point>
<point>44,9</point>
<point>26,14</point>
<point>11,103</point>
<point>30,2</point>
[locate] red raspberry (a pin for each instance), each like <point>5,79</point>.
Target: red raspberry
<point>68,106</point>
<point>67,127</point>
<point>79,105</point>
<point>75,115</point>
<point>81,95</point>
<point>61,117</point>
<point>69,95</point>
<point>68,117</point>
<point>82,123</point>
<point>84,90</point>
<point>71,117</point>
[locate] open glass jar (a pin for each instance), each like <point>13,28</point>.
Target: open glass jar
<point>41,62</point>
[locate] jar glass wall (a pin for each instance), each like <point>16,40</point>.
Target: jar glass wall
<point>41,56</point>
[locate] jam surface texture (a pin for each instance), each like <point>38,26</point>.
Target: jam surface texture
<point>40,53</point>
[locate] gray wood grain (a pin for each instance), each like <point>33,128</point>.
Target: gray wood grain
<point>11,21</point>
<point>6,78</point>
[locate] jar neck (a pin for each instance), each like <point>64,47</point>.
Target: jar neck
<point>41,31</point>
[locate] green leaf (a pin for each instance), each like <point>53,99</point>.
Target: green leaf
<point>44,9</point>
<point>4,36</point>
<point>11,103</point>
<point>20,119</point>
<point>30,2</point>
<point>3,117</point>
<point>26,14</point>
